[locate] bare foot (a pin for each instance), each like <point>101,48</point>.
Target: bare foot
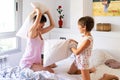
<point>92,70</point>
<point>109,77</point>
<point>39,67</point>
<point>53,65</point>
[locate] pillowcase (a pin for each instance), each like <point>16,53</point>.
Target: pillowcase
<point>40,6</point>
<point>29,20</point>
<point>56,50</point>
<point>22,33</point>
<point>98,57</point>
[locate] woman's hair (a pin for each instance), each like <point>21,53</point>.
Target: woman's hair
<point>43,19</point>
<point>87,22</point>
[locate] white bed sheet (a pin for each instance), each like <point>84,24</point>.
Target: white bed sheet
<point>64,65</point>
<point>100,70</point>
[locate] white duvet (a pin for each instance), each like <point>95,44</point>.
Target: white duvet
<point>60,73</point>
<point>100,70</point>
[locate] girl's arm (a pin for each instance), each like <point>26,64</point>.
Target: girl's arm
<point>51,26</point>
<point>82,47</point>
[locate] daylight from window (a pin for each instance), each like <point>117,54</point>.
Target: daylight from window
<point>7,16</point>
<point>7,24</point>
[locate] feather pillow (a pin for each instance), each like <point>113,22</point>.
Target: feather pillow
<point>98,57</point>
<point>56,50</point>
<point>40,6</point>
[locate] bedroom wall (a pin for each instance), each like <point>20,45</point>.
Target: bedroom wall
<point>79,8</point>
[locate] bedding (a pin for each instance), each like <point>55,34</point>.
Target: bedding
<point>99,56</point>
<point>16,73</point>
<point>57,50</point>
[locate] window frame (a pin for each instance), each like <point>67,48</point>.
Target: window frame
<point>18,22</point>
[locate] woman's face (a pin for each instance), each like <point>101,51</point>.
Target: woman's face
<point>41,25</point>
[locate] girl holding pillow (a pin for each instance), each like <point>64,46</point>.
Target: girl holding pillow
<point>32,56</point>
<point>83,51</point>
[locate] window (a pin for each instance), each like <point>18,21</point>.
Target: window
<point>9,17</point>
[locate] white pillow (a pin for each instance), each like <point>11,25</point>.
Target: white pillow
<point>56,50</point>
<point>40,6</point>
<point>98,57</point>
<point>25,26</point>
<point>29,20</point>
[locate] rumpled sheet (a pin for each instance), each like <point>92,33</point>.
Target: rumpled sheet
<point>16,73</point>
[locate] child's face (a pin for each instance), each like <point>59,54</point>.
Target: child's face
<point>81,29</point>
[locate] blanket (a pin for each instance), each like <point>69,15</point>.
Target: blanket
<point>16,73</point>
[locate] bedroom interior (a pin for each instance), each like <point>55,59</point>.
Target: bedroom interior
<point>106,43</point>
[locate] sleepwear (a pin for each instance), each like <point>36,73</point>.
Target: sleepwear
<point>32,53</point>
<point>82,60</point>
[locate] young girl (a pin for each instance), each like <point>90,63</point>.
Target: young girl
<point>32,56</point>
<point>83,50</point>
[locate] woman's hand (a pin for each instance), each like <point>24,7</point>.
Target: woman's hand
<point>37,10</point>
<point>47,12</point>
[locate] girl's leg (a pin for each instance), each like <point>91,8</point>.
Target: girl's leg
<point>39,67</point>
<point>85,74</point>
<point>73,69</point>
<point>91,70</point>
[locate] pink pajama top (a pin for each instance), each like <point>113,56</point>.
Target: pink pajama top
<point>32,53</point>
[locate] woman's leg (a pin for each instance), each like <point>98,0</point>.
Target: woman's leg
<point>39,67</point>
<point>52,65</point>
<point>85,74</point>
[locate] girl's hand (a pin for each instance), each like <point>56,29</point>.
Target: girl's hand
<point>72,40</point>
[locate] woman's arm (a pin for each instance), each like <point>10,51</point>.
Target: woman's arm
<point>37,20</point>
<point>51,26</point>
<point>33,29</point>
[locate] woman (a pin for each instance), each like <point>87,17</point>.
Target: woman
<point>32,56</point>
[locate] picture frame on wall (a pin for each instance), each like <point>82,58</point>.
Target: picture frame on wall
<point>106,8</point>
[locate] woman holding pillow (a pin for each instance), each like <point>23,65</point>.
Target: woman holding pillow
<point>32,56</point>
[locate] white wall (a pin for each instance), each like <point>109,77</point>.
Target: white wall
<point>78,8</point>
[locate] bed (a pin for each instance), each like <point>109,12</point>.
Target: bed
<point>101,68</point>
<point>101,54</point>
<point>61,71</point>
